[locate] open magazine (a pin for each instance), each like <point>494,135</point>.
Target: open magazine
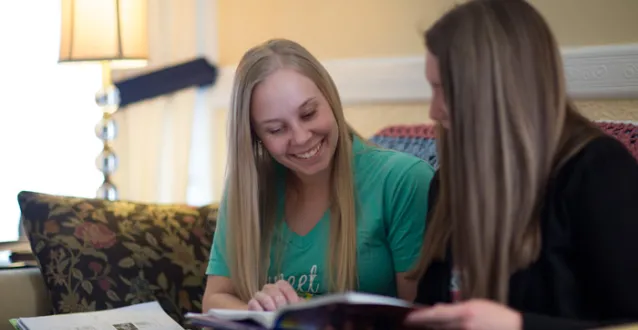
<point>145,316</point>
<point>329,311</point>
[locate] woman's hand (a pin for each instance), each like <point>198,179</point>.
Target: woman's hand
<point>472,314</point>
<point>273,296</point>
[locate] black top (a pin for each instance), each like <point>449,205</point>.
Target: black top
<point>587,272</point>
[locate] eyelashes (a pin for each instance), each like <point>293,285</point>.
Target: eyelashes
<point>307,116</point>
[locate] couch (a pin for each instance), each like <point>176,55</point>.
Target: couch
<point>95,254</point>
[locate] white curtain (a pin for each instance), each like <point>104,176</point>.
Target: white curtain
<point>165,145</point>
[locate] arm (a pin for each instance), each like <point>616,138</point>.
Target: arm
<point>407,189</point>
<point>439,273</point>
<point>603,203</point>
<point>219,292</point>
<point>406,288</point>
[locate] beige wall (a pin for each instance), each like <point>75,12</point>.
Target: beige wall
<point>333,29</point>
<point>328,28</point>
<point>370,28</point>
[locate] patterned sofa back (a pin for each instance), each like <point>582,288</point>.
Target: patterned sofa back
<point>419,140</point>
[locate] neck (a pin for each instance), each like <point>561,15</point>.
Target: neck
<point>311,185</point>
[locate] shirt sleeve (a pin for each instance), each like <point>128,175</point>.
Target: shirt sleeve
<point>406,209</point>
<point>217,264</point>
<point>604,204</point>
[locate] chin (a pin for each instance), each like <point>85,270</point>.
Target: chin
<point>309,172</point>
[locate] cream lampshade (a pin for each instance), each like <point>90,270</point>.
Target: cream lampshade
<point>104,30</point>
<point>113,33</point>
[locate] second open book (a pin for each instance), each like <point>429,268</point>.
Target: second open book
<point>379,312</point>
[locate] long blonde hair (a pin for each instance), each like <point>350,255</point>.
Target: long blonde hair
<point>511,128</point>
<point>250,187</point>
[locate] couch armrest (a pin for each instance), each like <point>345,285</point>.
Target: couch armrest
<point>24,294</point>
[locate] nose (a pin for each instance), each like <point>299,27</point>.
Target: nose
<point>300,135</point>
<point>437,113</point>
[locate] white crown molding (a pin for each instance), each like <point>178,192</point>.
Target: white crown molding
<point>595,72</point>
<point>602,72</point>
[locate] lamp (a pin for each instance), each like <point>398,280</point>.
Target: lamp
<point>114,34</point>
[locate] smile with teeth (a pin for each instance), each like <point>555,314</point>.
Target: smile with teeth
<point>310,153</point>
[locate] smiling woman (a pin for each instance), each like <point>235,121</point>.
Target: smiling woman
<point>309,207</point>
<point>295,123</point>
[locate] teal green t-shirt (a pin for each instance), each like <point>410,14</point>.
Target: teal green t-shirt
<point>391,190</point>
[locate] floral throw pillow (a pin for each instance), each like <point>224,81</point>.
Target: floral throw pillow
<point>96,254</point>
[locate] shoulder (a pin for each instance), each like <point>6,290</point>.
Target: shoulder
<point>596,218</point>
<point>603,157</point>
<point>376,162</point>
<point>599,184</point>
<point>603,147</point>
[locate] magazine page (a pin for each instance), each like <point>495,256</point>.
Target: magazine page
<point>350,298</point>
<point>233,319</point>
<point>366,311</point>
<point>265,319</point>
<point>243,322</point>
<point>379,312</point>
<point>145,316</point>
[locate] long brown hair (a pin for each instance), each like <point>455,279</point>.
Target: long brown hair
<point>249,192</point>
<point>512,127</point>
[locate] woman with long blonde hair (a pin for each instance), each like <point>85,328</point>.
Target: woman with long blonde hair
<point>309,207</point>
<point>534,217</point>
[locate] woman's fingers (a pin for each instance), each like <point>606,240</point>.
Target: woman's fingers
<point>274,296</point>
<point>265,300</point>
<point>254,305</point>
<point>439,316</point>
<point>288,291</point>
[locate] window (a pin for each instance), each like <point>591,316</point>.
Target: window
<point>47,131</point>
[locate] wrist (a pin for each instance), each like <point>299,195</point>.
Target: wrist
<point>517,320</point>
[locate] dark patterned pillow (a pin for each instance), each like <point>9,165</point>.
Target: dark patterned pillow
<point>96,254</point>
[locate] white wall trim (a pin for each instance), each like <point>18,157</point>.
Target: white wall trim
<point>593,72</point>
<point>632,122</point>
